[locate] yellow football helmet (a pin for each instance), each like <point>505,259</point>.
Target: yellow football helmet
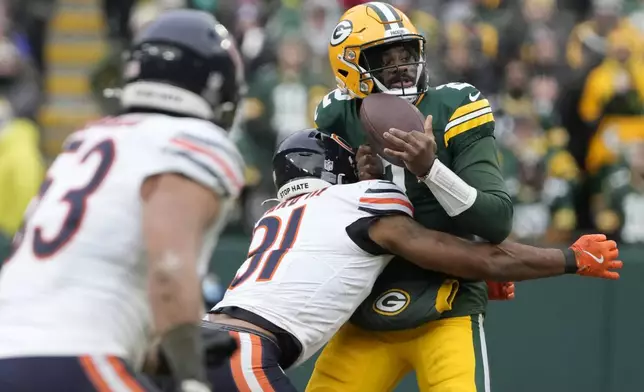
<point>358,47</point>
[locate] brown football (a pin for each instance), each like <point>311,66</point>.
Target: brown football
<point>380,112</point>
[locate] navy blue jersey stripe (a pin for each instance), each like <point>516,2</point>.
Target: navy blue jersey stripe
<point>384,190</point>
<point>382,212</point>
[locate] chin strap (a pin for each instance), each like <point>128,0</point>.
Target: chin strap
<point>299,187</point>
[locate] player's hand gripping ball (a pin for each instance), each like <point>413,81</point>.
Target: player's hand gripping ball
<point>596,256</point>
<point>398,132</point>
<point>368,163</point>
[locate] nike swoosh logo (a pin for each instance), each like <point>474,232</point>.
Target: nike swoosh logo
<point>475,96</point>
<point>600,260</point>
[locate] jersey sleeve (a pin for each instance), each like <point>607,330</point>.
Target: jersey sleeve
<point>204,155</point>
<point>470,117</point>
<point>383,198</point>
<point>330,114</point>
<point>379,199</point>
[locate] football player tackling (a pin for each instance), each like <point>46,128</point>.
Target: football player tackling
<point>111,250</point>
<point>315,256</point>
<point>415,319</point>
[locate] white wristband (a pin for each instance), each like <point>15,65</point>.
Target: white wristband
<point>452,193</point>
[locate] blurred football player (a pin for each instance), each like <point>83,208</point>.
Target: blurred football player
<point>376,49</point>
<point>315,256</point>
<point>111,251</point>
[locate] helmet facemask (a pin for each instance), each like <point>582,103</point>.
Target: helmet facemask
<point>395,66</point>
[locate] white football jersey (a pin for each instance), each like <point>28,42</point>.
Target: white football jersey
<point>76,283</point>
<point>311,262</point>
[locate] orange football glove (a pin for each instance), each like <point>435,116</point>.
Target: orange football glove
<point>500,291</point>
<point>595,256</point>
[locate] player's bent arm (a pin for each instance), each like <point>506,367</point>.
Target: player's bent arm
<point>176,212</point>
<point>442,252</point>
<point>490,215</point>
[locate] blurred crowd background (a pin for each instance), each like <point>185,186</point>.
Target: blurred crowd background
<point>566,80</point>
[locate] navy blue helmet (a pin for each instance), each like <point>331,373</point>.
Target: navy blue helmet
<point>308,156</point>
<point>184,63</point>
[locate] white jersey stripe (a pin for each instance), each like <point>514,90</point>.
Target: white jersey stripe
<point>246,350</point>
<point>486,366</point>
<point>467,117</point>
<point>109,374</point>
<point>386,202</point>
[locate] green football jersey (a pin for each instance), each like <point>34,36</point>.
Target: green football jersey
<point>406,296</point>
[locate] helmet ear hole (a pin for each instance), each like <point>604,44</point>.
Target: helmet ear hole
<point>343,72</point>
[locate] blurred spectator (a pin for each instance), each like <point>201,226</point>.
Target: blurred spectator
<point>19,82</point>
<point>544,54</point>
<point>319,19</point>
<point>467,28</point>
<point>21,169</point>
<point>255,46</point>
<point>637,15</point>
<point>624,199</point>
<point>538,20</point>
<point>469,51</point>
<point>281,99</point>
<point>462,64</point>
<point>541,178</point>
<point>117,14</point>
<point>494,12</point>
<point>33,17</point>
<point>106,77</point>
<point>616,85</point>
<point>587,44</point>
<point>515,98</point>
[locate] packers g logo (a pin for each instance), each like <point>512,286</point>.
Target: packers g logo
<point>341,32</point>
<point>391,302</point>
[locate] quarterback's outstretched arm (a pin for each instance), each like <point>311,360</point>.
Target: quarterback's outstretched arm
<point>591,255</point>
<point>176,212</point>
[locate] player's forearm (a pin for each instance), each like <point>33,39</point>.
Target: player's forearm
<point>490,217</point>
<point>176,211</point>
<point>176,302</point>
<point>451,255</point>
<point>511,261</point>
<point>173,286</point>
<point>172,244</point>
<point>505,262</point>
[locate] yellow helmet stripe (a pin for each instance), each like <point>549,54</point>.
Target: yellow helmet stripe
<point>387,14</point>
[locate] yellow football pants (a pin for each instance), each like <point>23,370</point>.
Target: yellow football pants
<point>448,355</point>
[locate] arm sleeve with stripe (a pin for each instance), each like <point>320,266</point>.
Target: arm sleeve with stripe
<point>205,156</point>
<point>470,121</point>
<point>380,199</point>
<point>490,217</point>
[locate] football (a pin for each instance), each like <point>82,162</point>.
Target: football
<point>380,112</point>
